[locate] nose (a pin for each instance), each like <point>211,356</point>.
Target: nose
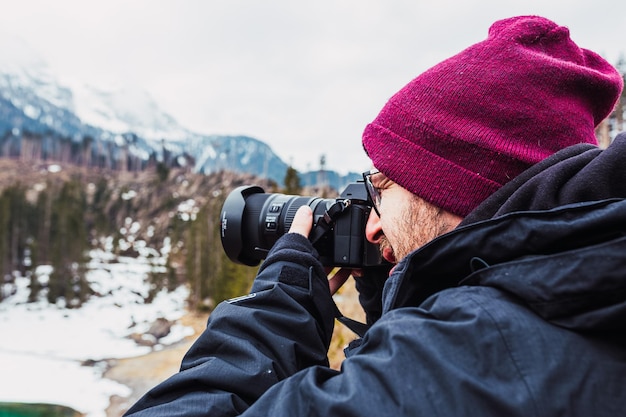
<point>373,228</point>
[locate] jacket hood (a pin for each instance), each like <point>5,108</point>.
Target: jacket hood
<point>556,240</point>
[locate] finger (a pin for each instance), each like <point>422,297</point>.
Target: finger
<point>338,279</point>
<point>302,221</point>
<point>357,273</point>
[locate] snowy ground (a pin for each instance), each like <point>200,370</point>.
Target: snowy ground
<point>42,346</point>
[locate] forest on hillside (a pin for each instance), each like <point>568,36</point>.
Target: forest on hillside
<point>54,215</point>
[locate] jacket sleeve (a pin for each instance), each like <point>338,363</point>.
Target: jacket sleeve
<point>252,342</point>
<point>264,355</point>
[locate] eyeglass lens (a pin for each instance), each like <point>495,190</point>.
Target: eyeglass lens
<point>372,191</point>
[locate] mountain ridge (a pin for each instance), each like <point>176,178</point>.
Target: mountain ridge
<point>124,122</point>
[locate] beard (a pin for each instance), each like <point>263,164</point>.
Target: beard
<point>420,223</point>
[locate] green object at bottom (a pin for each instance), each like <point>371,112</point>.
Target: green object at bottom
<point>36,410</point>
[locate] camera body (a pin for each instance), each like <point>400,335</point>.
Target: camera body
<point>252,221</point>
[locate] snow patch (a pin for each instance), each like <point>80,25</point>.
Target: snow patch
<point>43,347</point>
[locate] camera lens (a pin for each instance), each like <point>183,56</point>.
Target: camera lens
<point>252,221</point>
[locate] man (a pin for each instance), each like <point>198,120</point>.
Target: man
<point>506,226</point>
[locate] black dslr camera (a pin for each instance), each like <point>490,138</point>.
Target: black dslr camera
<point>252,221</point>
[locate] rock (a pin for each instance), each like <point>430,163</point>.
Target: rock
<point>143,339</point>
<point>160,328</point>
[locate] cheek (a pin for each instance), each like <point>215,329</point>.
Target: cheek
<point>392,221</point>
<point>393,207</point>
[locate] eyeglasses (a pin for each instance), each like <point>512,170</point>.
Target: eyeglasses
<point>372,191</point>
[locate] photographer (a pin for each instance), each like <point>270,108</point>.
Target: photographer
<point>506,226</point>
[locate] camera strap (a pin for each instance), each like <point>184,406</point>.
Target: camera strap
<point>323,225</point>
<point>356,326</point>
<point>327,221</point>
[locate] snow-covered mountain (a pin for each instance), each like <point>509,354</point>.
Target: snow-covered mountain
<point>33,100</point>
<point>125,109</point>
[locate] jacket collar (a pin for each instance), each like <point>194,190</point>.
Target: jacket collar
<point>528,254</point>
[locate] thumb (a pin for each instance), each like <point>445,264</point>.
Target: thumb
<point>302,221</point>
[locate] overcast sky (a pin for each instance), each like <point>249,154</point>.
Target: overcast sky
<point>305,77</point>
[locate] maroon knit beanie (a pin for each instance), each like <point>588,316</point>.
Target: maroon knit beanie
<point>464,128</point>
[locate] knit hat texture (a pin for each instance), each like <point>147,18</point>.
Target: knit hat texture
<point>464,128</point>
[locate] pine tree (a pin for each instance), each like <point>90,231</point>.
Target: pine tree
<point>211,275</point>
<point>69,246</point>
<point>5,223</point>
<point>197,261</point>
<point>97,218</point>
<point>292,182</point>
<point>43,214</point>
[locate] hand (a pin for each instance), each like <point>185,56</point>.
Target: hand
<point>302,224</point>
<point>338,279</point>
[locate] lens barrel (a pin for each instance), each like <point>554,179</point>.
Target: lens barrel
<point>252,221</point>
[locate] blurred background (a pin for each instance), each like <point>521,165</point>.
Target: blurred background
<point>123,127</point>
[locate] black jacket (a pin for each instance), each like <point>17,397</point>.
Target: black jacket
<point>520,311</point>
